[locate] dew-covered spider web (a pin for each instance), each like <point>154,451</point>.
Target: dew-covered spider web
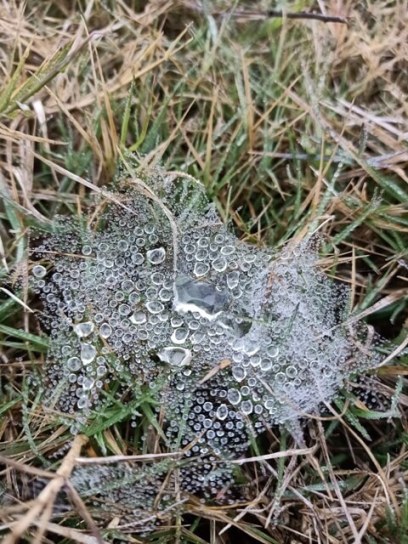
<point>152,296</point>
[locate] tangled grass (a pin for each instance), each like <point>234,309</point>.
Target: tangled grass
<point>293,126</point>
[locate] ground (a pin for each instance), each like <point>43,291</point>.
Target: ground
<point>293,125</point>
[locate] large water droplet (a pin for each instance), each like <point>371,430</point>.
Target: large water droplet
<point>138,318</point>
<point>201,255</point>
<point>220,264</point>
<point>233,279</point>
<point>83,402</point>
<point>123,245</point>
<point>175,356</point>
<point>280,378</point>
<point>88,383</point>
<point>202,242</point>
<point>273,351</point>
<point>255,360</point>
<point>165,294</point>
<point>176,321</point>
<point>222,412</point>
<point>156,256</point>
<point>157,278</point>
<point>179,336</point>
<point>266,364</point>
<point>250,347</point>
<point>200,269</point>
<point>39,271</point>
<point>84,329</point>
<point>234,396</point>
<point>74,363</point>
<point>105,330</point>
<point>86,250</point>
<point>101,371</point>
<point>239,373</point>
<point>124,309</point>
<point>88,353</point>
<point>246,407</point>
<point>227,250</point>
<point>137,259</point>
<point>154,306</point>
<point>134,298</point>
<point>291,371</point>
<point>199,296</point>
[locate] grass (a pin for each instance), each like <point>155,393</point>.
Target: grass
<point>293,126</point>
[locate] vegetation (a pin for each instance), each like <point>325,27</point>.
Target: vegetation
<point>293,126</point>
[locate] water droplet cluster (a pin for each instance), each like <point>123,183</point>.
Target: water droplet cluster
<point>131,492</point>
<point>156,292</point>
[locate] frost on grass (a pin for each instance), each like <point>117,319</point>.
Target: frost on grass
<point>152,296</point>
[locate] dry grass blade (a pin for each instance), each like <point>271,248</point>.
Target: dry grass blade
<point>295,118</point>
<point>276,455</point>
<point>45,500</point>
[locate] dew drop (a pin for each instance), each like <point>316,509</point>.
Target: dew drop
<point>74,363</point>
<point>207,406</point>
<point>250,258</point>
<point>105,330</point>
<point>233,279</point>
<point>219,238</point>
<point>138,318</point>
<point>201,255</point>
<point>273,351</point>
<point>88,353</point>
<point>134,298</point>
<point>180,335</point>
<point>156,256</point>
<point>137,259</point>
<point>202,242</point>
<point>245,390</point>
<point>239,373</point>
<point>158,278</point>
<point>165,294</point>
<point>266,364</point>
<point>39,271</point>
<point>84,329</point>
<point>199,296</point>
<point>201,269</point>
<point>250,347</point>
<point>246,407</point>
<point>234,396</point>
<point>280,378</point>
<point>83,402</point>
<point>175,356</point>
<point>101,371</point>
<point>291,371</point>
<point>88,383</point>
<point>220,264</point>
<point>123,245</point>
<point>176,321</point>
<point>269,403</point>
<point>222,412</point>
<point>86,250</point>
<point>255,361</point>
<point>154,306</point>
<point>124,309</point>
<point>227,250</point>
